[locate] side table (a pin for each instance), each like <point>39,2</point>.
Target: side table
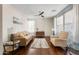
<point>11,46</point>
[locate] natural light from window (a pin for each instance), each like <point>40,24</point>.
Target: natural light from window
<point>31,26</point>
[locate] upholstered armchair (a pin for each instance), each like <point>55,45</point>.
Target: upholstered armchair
<point>61,40</point>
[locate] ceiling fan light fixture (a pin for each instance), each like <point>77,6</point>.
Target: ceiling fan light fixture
<point>42,16</point>
<point>53,10</point>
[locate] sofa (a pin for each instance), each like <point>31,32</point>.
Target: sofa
<point>61,40</point>
<point>24,38</point>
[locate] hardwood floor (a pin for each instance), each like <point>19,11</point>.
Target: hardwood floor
<point>40,51</point>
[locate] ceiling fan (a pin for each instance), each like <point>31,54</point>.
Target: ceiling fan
<point>40,14</point>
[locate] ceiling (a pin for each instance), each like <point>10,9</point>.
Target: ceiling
<point>33,9</point>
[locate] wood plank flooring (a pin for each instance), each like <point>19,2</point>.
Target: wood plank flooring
<point>40,51</point>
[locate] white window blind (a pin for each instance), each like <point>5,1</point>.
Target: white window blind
<point>59,24</point>
<point>69,25</point>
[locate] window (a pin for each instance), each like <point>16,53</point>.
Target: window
<point>59,26</point>
<point>69,25</point>
<point>66,23</point>
<point>31,26</point>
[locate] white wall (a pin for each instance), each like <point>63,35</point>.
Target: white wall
<point>8,13</point>
<point>1,46</point>
<point>45,24</point>
<point>0,22</point>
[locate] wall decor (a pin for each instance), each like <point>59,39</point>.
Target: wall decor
<point>16,20</point>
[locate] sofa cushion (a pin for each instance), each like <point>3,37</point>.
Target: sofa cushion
<point>21,35</point>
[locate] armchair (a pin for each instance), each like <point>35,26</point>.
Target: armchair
<point>61,40</point>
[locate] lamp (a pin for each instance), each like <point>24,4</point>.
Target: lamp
<point>53,31</point>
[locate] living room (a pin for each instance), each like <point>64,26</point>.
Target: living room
<point>40,20</point>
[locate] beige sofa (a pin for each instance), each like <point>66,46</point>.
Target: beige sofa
<point>24,38</point>
<point>61,40</point>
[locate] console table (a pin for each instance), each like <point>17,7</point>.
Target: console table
<point>40,34</point>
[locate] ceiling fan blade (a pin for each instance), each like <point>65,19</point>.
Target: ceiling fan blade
<point>41,13</point>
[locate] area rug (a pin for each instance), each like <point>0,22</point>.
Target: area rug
<point>39,43</point>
